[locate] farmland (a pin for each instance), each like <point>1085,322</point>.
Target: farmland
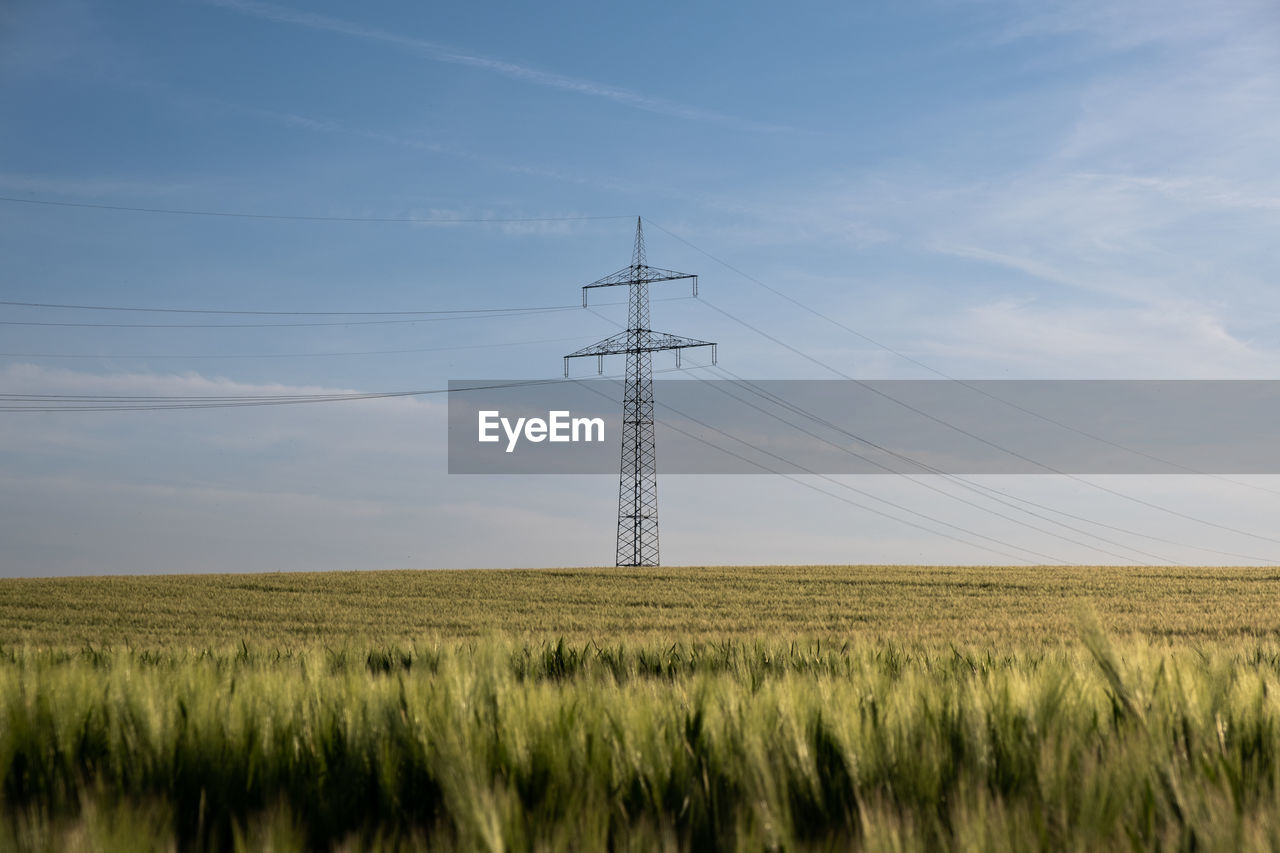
<point>732,708</point>
<point>905,604</point>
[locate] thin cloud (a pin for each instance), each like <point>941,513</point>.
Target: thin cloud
<point>1200,191</point>
<point>1031,267</point>
<point>324,125</point>
<point>1020,337</point>
<point>1133,25</point>
<point>446,54</point>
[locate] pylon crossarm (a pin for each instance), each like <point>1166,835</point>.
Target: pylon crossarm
<point>624,343</point>
<point>639,275</point>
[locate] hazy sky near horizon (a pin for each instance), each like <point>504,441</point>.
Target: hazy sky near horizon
<point>993,188</point>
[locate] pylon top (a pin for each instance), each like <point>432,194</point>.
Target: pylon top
<point>637,254</point>
<point>639,272</point>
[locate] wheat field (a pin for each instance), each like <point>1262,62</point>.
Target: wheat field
<point>732,708</point>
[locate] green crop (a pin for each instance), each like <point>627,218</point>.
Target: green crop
<point>967,709</point>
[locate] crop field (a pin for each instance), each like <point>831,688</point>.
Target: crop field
<point>737,708</point>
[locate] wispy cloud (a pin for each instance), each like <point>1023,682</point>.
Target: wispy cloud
<point>1109,25</point>
<point>1030,266</point>
<point>1131,232</point>
<point>417,143</point>
<point>1203,191</point>
<point>452,56</point>
<point>340,486</point>
<point>1025,338</point>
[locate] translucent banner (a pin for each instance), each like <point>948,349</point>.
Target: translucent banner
<point>874,426</point>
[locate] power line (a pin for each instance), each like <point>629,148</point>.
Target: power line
<point>295,218</point>
<point>930,469</point>
<point>788,297</point>
<point>969,503</point>
<point>971,487</point>
<point>485,316</point>
<point>202,356</point>
<point>848,487</point>
<point>978,438</point>
<point>1107,526</point>
<point>47,403</point>
<point>856,490</point>
<point>838,497</point>
<point>112,403</point>
<point>279,313</point>
<point>502,310</point>
<point>842,485</point>
<point>963,482</point>
<point>986,491</point>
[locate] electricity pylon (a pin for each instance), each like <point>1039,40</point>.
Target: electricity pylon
<point>638,480</point>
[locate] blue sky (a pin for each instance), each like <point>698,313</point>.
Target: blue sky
<point>996,189</point>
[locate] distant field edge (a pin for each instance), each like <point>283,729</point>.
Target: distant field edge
<point>1036,605</point>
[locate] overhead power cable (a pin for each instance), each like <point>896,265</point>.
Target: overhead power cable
<point>448,311</point>
<point>764,467</point>
<point>778,401</point>
<point>115,403</point>
<point>968,385</point>
<point>943,422</point>
<point>425,220</point>
<point>929,469</point>
<point>280,313</point>
<point>48,403</point>
<point>983,491</point>
<point>986,491</point>
<point>203,356</point>
<point>718,386</point>
<point>479,316</point>
<point>855,490</point>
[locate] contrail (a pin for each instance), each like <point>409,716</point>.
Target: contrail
<point>445,53</point>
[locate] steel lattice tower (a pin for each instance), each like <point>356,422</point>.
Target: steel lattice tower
<point>638,480</point>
